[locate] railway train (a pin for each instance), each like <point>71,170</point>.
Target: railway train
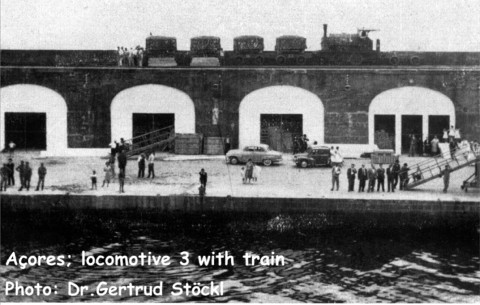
<point>336,49</point>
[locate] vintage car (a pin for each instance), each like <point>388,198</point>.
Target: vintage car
<point>258,153</point>
<point>314,156</point>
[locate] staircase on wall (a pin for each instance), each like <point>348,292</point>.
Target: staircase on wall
<point>158,140</point>
<point>432,168</point>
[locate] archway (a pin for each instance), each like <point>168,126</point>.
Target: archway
<point>150,104</point>
<point>295,106</point>
<point>33,117</point>
<point>401,112</point>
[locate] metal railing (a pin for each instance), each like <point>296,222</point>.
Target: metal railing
<point>150,140</point>
<point>433,168</point>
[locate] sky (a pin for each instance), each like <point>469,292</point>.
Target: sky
<point>404,25</point>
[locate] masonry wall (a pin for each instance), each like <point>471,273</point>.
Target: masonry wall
<point>346,94</point>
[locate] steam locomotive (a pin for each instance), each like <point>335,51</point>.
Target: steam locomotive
<point>336,49</point>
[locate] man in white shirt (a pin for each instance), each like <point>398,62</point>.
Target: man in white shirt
<point>151,169</point>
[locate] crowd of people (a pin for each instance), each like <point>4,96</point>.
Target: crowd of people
<point>25,172</point>
<point>130,58</point>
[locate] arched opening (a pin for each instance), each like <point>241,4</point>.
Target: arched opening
<point>141,109</point>
<point>275,115</point>
<point>33,117</point>
<point>397,115</point>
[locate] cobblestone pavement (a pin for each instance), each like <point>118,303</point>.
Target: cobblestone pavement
<point>179,176</point>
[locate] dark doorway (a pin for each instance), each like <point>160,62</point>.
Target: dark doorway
<point>279,130</point>
<point>384,129</point>
<point>411,126</point>
<point>144,123</point>
<point>26,129</point>
<point>436,124</point>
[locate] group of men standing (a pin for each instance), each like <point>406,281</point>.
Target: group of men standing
<point>394,174</point>
<point>7,173</point>
<point>130,58</point>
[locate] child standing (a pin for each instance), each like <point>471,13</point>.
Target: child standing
<point>93,177</point>
<point>108,174</point>
<point>242,173</point>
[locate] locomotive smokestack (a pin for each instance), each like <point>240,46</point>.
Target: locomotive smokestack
<point>325,30</point>
<point>378,45</point>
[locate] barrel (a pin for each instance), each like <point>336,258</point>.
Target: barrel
<point>214,146</point>
<point>188,144</point>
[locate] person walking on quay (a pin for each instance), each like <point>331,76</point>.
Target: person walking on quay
<point>404,176</point>
<point>11,172</point>
<point>3,177</point>
<point>351,173</point>
<point>335,177</point>
<point>413,146</point>
<point>21,173</point>
<point>434,146</point>
<point>362,177</point>
<point>203,178</point>
<point>446,177</point>
<point>396,171</point>
<point>108,174</point>
<point>380,178</point>
<point>93,177</point>
<point>141,166</point>
<point>121,181</point>
<point>151,165</point>
<point>122,160</point>
<point>42,172</point>
<point>242,173</point>
<point>372,176</point>
<point>390,180</point>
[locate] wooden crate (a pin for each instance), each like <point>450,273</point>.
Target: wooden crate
<point>188,144</point>
<point>383,156</point>
<point>214,146</point>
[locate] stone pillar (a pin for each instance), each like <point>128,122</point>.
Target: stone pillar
<point>398,134</point>
<point>425,130</point>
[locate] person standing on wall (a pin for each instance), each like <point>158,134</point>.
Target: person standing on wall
<point>42,172</point>
<point>380,178</point>
<point>351,173</point>
<point>362,177</point>
<point>151,165</point>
